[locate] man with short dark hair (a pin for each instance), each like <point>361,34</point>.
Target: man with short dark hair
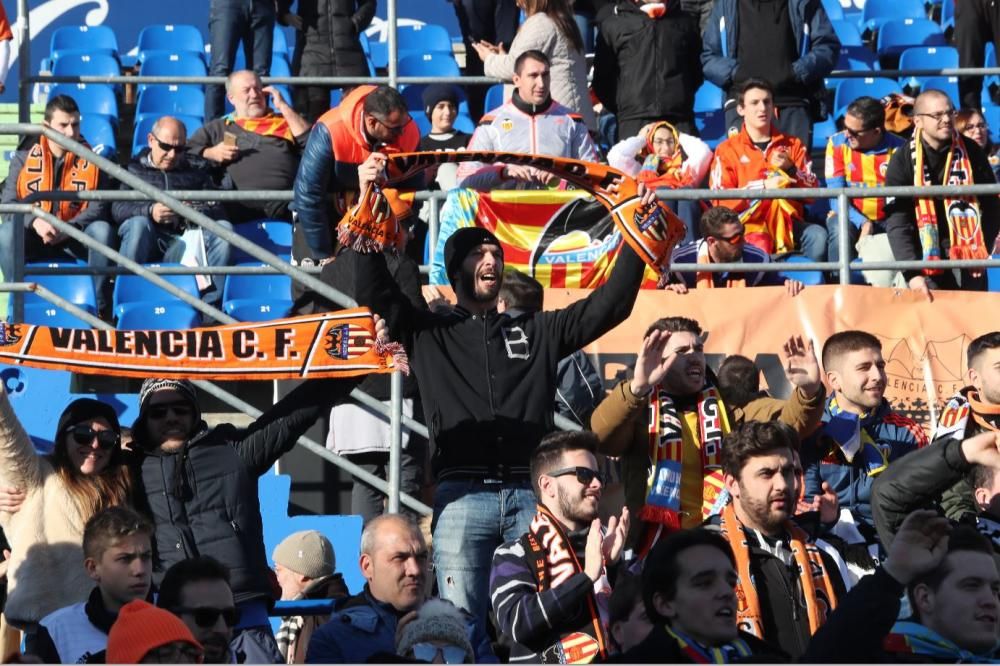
<point>773,555</point>
<point>549,587</point>
<point>858,157</point>
<point>197,590</point>
<point>723,241</point>
<point>43,166</point>
<point>531,122</point>
<point>759,156</point>
<point>928,229</point>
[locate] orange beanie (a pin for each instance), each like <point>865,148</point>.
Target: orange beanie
<point>142,627</point>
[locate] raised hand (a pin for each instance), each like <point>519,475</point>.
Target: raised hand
<point>650,366</point>
<point>800,364</point>
<point>614,540</point>
<point>919,547</point>
<point>593,558</point>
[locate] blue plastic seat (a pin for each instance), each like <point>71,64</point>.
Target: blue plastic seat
<point>877,12</point>
<point>336,95</point>
<point>708,97</point>
<point>149,316</point>
<point>847,32</point>
<point>171,100</point>
<point>134,289</point>
<point>463,123</point>
<point>926,57</point>
<point>90,97</point>
<point>84,64</point>
<point>946,84</point>
<point>379,55</point>
<point>849,90</point>
<point>494,97</point>
<point>429,64</point>
<point>896,36</point>
<point>257,297</point>
<point>822,131</point>
<point>711,126</point>
<point>83,39</point>
<point>77,289</point>
<point>808,278</point>
<point>993,276</point>
<point>426,38</point>
<point>834,10</point>
<point>46,314</point>
<point>856,58</point>
<point>100,133</point>
<point>177,63</point>
<point>275,236</point>
<point>991,113</point>
<point>947,15</point>
<point>144,125</point>
<point>279,44</point>
<point>169,38</point>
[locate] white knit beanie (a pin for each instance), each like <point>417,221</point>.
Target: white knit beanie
<point>438,620</point>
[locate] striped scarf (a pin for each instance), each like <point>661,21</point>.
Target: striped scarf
<point>769,222</point>
<point>912,638</point>
<point>670,172</point>
<point>729,653</point>
<point>38,175</point>
<point>272,124</point>
<point>965,229</point>
<point>816,586</point>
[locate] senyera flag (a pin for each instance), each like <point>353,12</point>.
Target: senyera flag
<point>332,344</point>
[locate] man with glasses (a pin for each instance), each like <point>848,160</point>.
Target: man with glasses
<point>550,588</point>
<point>150,231</point>
<point>723,241</point>
<point>187,472</point>
<point>197,590</point>
<point>859,157</point>
<point>370,119</point>
<point>941,228</point>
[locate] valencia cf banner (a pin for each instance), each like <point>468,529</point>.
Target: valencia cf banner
<point>331,344</point>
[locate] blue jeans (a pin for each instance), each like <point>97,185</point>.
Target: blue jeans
<point>229,23</point>
<point>145,242</point>
<point>35,250</point>
<point>811,239</point>
<point>472,519</point>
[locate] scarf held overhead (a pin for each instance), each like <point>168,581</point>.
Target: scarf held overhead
<point>555,563</point>
<point>333,344</point>
<point>651,231</point>
<point>38,175</point>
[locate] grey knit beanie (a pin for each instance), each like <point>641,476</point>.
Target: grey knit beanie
<point>437,620</point>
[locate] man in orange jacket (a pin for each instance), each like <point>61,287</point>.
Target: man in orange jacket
<point>761,157</point>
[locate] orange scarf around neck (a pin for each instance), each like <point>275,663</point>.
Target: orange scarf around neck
<point>38,175</point>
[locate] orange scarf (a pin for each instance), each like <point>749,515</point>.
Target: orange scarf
<point>817,588</point>
<point>375,223</point>
<point>706,280</point>
<point>657,172</point>
<point>38,175</point>
<point>272,124</point>
<point>769,222</point>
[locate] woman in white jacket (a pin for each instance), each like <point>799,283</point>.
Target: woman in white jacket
<point>660,156</point>
<point>551,29</point>
<point>85,473</point>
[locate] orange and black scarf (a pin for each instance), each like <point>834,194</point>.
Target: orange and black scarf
<point>272,124</point>
<point>965,228</point>
<point>816,586</point>
<point>555,562</point>
<point>38,175</point>
<point>669,172</point>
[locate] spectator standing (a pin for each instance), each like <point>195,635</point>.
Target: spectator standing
<point>531,122</point>
<point>151,232</point>
<point>788,42</point>
<point>490,21</point>
<point>643,69</point>
<point>773,555</point>
<point>84,474</point>
<point>550,587</point>
<point>253,147</point>
<point>550,29</point>
<point>395,563</point>
<point>977,23</point>
<point>971,124</point>
<point>118,557</point>
<point>326,44</point>
<point>145,634</point>
<point>6,37</point>
<point>43,166</point>
<point>759,156</point>
<point>197,591</point>
<point>940,228</point>
<point>304,563</point>
<point>230,23</point>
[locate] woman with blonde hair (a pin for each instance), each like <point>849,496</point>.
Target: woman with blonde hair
<point>85,473</point>
<point>550,28</point>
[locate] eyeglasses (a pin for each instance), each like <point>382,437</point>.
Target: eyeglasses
<point>206,616</point>
<point>181,409</point>
<point>664,142</point>
<point>584,475</point>
<point>428,652</point>
<point>82,434</point>
<point>167,147</point>
<point>857,134</point>
<point>940,115</point>
<point>735,239</point>
<point>977,126</point>
<point>393,129</point>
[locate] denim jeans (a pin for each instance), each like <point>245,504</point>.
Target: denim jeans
<point>810,239</point>
<point>471,520</point>
<point>145,242</point>
<point>229,23</point>
<point>35,250</point>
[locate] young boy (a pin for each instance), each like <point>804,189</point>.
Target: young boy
<point>118,556</point>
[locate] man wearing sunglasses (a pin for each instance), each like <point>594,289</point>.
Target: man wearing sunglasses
<point>150,231</point>
<point>723,241</point>
<point>197,590</point>
<point>550,587</point>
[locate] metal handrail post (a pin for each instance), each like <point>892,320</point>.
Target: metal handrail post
<point>24,82</point>
<point>16,305</point>
<point>395,440</point>
<point>844,241</point>
<point>393,46</point>
<point>434,226</point>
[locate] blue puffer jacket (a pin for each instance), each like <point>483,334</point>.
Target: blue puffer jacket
<point>893,435</point>
<point>361,627</point>
<point>815,42</point>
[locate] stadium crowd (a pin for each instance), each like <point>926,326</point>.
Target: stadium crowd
<point>824,526</point>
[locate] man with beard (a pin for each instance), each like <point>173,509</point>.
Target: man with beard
<point>786,584</point>
<point>673,396</point>
<point>486,380</point>
<point>550,586</point>
<point>197,591</point>
<point>861,434</point>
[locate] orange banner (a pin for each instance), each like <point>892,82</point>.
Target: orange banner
<point>332,344</point>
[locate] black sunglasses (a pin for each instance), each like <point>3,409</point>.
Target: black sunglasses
<point>181,409</point>
<point>584,475</point>
<point>206,616</point>
<point>82,434</point>
<point>168,147</point>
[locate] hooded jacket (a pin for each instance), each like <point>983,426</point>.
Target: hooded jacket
<point>329,44</point>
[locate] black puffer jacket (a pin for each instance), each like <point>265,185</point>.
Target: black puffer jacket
<point>203,498</point>
<point>191,173</point>
<point>328,44</point>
